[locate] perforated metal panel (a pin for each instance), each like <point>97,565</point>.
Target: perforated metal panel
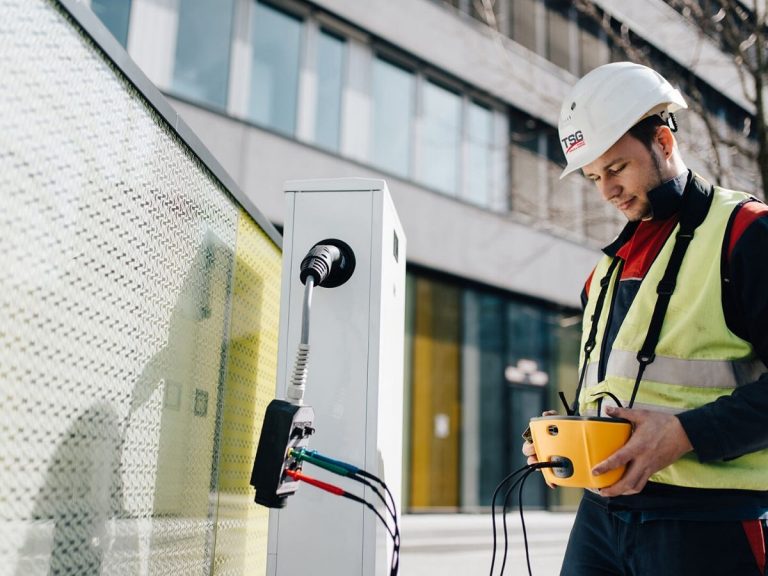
<point>138,326</point>
<point>241,539</point>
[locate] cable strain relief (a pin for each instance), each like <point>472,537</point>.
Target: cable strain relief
<point>295,394</point>
<point>295,391</point>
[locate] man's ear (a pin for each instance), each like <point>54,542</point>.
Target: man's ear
<point>665,140</point>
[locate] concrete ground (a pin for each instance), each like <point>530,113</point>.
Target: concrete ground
<point>461,544</point>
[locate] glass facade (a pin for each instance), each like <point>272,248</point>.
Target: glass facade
<point>276,46</point>
<point>115,15</point>
<point>440,138</point>
<point>201,70</point>
<point>143,354</point>
<point>392,94</point>
<point>330,81</point>
<point>481,364</point>
<point>480,182</point>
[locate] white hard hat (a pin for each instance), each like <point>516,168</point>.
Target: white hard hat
<point>607,102</point>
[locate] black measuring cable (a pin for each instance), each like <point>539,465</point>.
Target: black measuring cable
<point>522,521</point>
<point>337,491</point>
<point>395,563</point>
<point>526,471</point>
<point>361,477</point>
<point>519,482</point>
<point>366,478</point>
<point>493,510</point>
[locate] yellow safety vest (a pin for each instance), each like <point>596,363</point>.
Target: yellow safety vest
<point>698,359</point>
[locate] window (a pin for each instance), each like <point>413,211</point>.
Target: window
<point>558,29</point>
<point>480,172</point>
<point>201,71</point>
<point>276,45</point>
<point>523,15</point>
<point>593,51</point>
<point>114,14</point>
<point>392,115</point>
<point>524,161</point>
<point>565,197</point>
<point>440,138</point>
<point>330,78</point>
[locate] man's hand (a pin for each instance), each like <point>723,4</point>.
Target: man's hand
<point>657,441</point>
<point>530,451</point>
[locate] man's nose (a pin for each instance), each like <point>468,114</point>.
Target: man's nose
<point>609,190</point>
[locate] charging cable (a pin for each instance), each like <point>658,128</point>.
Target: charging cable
<point>329,263</point>
<point>526,471</point>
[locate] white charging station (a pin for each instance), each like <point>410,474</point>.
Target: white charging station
<point>355,375</point>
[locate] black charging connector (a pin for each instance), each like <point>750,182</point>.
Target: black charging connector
<point>286,426</point>
<point>330,262</point>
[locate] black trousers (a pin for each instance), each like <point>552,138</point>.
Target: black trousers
<point>603,544</point>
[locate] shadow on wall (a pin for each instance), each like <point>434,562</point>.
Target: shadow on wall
<point>76,509</point>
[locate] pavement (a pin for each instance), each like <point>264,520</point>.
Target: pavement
<point>461,544</point>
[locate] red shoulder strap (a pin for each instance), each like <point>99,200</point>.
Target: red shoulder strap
<point>745,215</point>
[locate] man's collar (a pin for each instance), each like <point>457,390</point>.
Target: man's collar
<point>665,202</point>
<point>621,239</point>
<point>666,198</point>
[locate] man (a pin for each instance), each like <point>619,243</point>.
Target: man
<point>675,341</point>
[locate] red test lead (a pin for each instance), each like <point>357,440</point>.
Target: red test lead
<point>315,482</point>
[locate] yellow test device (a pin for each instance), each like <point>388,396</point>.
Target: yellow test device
<point>579,443</point>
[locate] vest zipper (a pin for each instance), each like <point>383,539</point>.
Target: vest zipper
<point>602,364</point>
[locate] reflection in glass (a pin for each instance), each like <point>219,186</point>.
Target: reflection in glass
<point>330,69</point>
<point>114,14</point>
<point>275,68</point>
<point>201,71</point>
<point>440,138</point>
<point>392,114</point>
<point>480,135</point>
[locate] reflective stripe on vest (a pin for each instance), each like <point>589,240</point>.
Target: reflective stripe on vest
<point>697,373</point>
<point>698,359</point>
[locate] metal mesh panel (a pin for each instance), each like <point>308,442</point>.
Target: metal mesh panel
<point>119,258</point>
